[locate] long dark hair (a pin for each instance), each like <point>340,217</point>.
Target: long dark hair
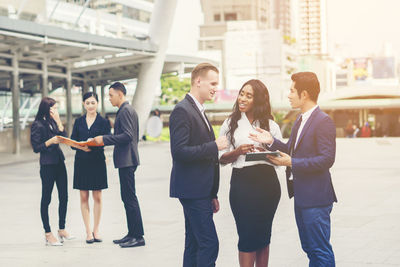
<point>261,108</point>
<point>44,109</point>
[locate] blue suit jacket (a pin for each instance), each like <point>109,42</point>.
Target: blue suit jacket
<point>312,158</point>
<point>195,169</point>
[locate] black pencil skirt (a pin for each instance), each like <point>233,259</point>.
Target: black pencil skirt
<point>254,196</point>
<point>90,173</point>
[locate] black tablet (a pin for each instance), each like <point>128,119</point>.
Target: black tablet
<point>254,156</point>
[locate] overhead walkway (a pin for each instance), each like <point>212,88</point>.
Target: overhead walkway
<point>37,58</point>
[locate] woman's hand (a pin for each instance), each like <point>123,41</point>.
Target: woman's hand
<point>54,114</point>
<point>85,148</point>
<point>245,148</point>
<point>52,141</point>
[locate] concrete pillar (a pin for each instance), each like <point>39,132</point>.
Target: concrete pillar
<point>45,79</point>
<point>85,87</point>
<point>68,87</point>
<point>102,96</point>
<point>15,105</point>
<point>150,72</point>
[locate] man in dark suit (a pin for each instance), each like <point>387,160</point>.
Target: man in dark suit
<point>195,170</point>
<point>308,155</point>
<point>126,159</point>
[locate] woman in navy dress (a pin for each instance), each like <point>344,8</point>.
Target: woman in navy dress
<point>90,173</point>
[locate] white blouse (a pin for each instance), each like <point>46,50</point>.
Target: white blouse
<point>242,137</point>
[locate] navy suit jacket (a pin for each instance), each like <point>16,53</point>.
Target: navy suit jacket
<point>195,169</point>
<point>312,158</point>
<point>125,138</point>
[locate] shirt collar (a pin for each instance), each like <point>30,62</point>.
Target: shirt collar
<point>199,106</point>
<point>308,113</point>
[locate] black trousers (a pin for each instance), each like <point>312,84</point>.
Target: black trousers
<point>49,174</point>
<point>131,203</point>
<point>201,240</point>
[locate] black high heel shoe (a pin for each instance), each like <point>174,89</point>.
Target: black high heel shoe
<point>96,239</point>
<point>90,241</point>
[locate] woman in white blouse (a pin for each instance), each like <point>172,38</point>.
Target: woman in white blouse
<point>255,190</point>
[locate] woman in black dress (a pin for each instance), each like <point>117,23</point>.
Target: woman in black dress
<point>44,140</point>
<point>255,190</point>
<point>90,171</point>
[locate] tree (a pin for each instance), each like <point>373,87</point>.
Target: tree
<point>173,89</point>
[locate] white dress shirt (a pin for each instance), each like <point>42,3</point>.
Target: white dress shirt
<point>304,118</point>
<point>242,137</point>
<point>201,108</point>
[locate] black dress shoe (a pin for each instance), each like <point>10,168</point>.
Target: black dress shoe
<point>133,242</point>
<point>122,240</point>
<point>90,241</point>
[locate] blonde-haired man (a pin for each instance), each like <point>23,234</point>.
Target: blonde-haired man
<point>195,170</point>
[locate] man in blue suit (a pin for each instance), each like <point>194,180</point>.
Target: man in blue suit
<point>195,169</point>
<point>308,155</point>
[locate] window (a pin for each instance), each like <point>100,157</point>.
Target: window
<point>230,16</point>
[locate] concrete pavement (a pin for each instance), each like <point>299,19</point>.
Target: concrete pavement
<point>365,222</point>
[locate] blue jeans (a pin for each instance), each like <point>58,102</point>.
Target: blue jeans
<point>314,227</point>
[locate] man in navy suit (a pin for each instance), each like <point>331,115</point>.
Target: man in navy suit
<point>195,169</point>
<point>126,158</point>
<point>308,155</point>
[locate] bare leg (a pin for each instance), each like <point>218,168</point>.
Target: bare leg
<point>97,211</point>
<point>247,259</point>
<point>86,212</point>
<point>262,256</point>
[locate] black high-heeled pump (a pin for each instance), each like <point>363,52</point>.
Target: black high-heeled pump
<point>96,239</point>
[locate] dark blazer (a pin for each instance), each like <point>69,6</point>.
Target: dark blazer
<point>41,131</point>
<point>195,169</point>
<point>312,158</point>
<point>125,138</point>
<point>80,132</point>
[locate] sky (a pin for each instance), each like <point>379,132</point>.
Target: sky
<point>359,27</point>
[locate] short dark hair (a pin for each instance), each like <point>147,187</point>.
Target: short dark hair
<point>201,69</point>
<point>307,81</point>
<point>44,109</point>
<point>119,86</point>
<point>88,95</point>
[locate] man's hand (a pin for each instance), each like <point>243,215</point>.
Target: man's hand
<point>245,148</point>
<point>263,136</point>
<point>283,160</point>
<point>221,142</point>
<point>98,139</point>
<point>215,205</point>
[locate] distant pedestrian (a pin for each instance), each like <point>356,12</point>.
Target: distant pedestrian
<point>366,130</point>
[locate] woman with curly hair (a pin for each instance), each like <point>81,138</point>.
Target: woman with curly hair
<point>255,190</point>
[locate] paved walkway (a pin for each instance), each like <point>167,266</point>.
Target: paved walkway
<point>365,222</point>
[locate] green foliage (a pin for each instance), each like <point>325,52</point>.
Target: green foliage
<point>173,89</point>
